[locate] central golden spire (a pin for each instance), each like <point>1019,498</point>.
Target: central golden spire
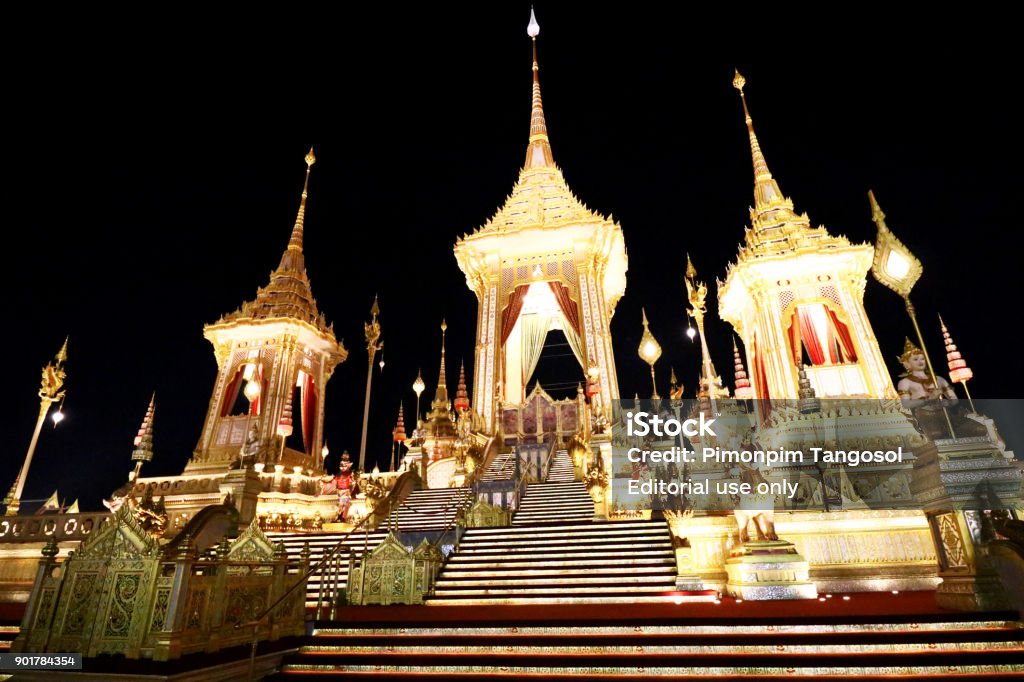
<point>766,190</point>
<point>538,153</point>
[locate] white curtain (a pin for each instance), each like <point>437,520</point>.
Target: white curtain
<point>575,343</point>
<point>535,331</point>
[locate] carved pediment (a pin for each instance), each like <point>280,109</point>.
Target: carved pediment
<point>122,538</point>
<point>251,545</point>
<point>426,551</point>
<point>390,549</point>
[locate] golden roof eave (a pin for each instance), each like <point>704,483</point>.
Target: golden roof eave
<point>334,347</point>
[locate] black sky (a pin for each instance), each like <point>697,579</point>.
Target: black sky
<point>152,181</point>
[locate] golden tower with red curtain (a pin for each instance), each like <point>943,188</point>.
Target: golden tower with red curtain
<point>795,296</point>
<point>275,355</point>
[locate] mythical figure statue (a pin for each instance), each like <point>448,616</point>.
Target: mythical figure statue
<point>250,450</point>
<point>344,484</point>
<point>152,515</point>
<point>928,401</point>
<point>916,387</point>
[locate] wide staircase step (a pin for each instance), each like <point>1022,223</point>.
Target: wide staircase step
<point>617,646</point>
<point>431,509</point>
<point>8,631</point>
<point>554,503</point>
<point>319,544</point>
<point>562,470</point>
<point>584,562</point>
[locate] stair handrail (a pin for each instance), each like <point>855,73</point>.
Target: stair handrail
<point>324,559</point>
<point>522,479</point>
<point>327,556</point>
<point>509,458</point>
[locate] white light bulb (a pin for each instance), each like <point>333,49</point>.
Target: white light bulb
<point>691,332</point>
<point>57,417</point>
<point>252,390</point>
<point>897,265</point>
<point>533,30</point>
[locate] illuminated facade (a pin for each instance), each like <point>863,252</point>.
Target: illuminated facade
<point>543,262</point>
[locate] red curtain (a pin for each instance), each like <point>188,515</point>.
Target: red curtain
<point>565,302</point>
<point>760,381</point>
<point>308,411</point>
<point>845,340</point>
<point>511,312</point>
<point>231,394</point>
<point>794,340</point>
<point>819,355</point>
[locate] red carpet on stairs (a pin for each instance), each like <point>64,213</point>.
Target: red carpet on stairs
<point>860,606</point>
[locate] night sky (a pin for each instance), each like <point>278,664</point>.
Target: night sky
<point>141,207</point>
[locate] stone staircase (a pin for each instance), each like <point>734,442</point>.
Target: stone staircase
<point>319,543</point>
<point>554,503</point>
<point>561,470</point>
<point>563,563</point>
<point>430,509</point>
<point>948,646</point>
<point>559,499</point>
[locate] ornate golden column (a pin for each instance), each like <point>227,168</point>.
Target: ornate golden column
<point>51,390</point>
<point>372,329</point>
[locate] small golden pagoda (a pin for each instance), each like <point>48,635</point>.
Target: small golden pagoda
<point>439,428</point>
<point>275,355</point>
<point>544,261</point>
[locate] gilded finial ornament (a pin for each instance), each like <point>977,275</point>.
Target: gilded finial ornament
<point>894,265</point>
<point>649,351</point>
<point>738,81</point>
<point>62,354</point>
<point>533,30</point>
<point>876,212</point>
<point>310,158</point>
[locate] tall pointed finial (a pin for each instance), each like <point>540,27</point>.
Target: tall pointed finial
<point>461,394</point>
<point>295,243</point>
<point>144,439</point>
<point>538,153</point>
<point>691,272</point>
<point>876,212</point>
<point>399,434</point>
<point>62,354</point>
<point>375,308</point>
<point>959,372</point>
<point>765,187</point>
<point>442,379</point>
